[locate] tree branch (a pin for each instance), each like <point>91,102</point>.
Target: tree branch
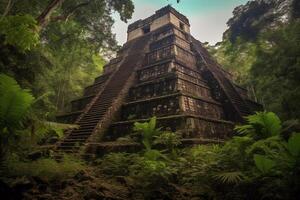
<point>71,12</point>
<point>43,18</point>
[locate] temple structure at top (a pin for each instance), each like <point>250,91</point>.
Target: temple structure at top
<point>160,71</point>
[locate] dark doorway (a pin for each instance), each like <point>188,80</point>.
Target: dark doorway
<point>146,29</point>
<point>181,25</point>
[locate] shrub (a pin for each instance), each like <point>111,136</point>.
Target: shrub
<point>151,177</point>
<point>169,140</point>
<point>198,164</point>
<point>117,164</point>
<point>148,132</point>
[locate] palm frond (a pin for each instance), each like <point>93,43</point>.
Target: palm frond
<point>230,177</point>
<point>261,125</point>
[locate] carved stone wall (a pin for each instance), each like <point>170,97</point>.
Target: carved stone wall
<point>154,89</point>
<point>188,87</point>
<point>163,106</point>
<point>162,17</point>
<point>169,85</point>
<point>201,107</point>
<point>168,40</point>
<point>185,56</point>
<point>161,54</point>
<point>178,23</point>
<point>155,71</point>
<point>203,128</point>
<point>188,126</point>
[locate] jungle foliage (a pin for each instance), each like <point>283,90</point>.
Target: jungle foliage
<point>261,163</point>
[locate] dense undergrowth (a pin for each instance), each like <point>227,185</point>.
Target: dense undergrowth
<point>261,163</point>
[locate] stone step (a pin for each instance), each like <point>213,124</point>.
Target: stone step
<point>79,137</point>
<point>83,131</point>
<point>71,144</point>
<point>89,122</point>
<point>90,125</point>
<point>91,117</point>
<point>74,140</point>
<point>73,148</point>
<point>103,148</point>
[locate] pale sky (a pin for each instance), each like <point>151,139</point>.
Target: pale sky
<point>207,17</point>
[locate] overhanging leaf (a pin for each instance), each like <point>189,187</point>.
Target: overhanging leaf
<point>294,144</point>
<point>263,163</point>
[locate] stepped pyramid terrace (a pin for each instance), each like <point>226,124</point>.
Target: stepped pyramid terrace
<point>160,71</point>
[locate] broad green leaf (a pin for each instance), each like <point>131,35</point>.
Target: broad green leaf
<point>294,144</point>
<point>263,163</point>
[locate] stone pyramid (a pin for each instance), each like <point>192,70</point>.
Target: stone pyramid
<point>160,71</point>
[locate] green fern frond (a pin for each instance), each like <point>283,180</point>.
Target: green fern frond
<point>14,102</point>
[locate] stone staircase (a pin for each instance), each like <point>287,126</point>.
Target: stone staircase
<point>235,97</point>
<point>101,110</point>
<point>219,81</point>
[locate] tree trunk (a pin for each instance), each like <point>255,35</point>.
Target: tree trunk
<point>8,7</point>
<point>43,19</point>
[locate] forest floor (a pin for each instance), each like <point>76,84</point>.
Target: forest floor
<point>88,183</point>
